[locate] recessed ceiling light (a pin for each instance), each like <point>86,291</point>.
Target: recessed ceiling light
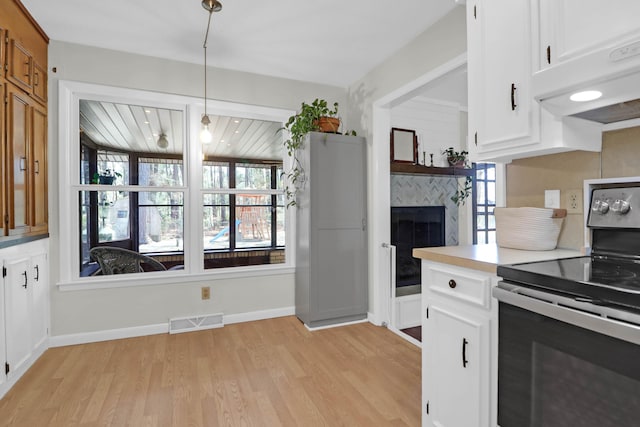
<point>587,95</point>
<point>236,121</point>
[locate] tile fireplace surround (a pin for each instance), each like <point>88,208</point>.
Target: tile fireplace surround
<point>426,190</point>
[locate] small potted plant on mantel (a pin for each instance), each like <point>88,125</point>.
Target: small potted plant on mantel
<point>455,158</point>
<point>458,159</point>
<point>314,117</point>
<point>106,177</point>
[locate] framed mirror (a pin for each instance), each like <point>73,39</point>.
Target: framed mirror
<point>404,146</point>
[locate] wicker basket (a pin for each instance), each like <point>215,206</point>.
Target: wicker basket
<point>532,229</point>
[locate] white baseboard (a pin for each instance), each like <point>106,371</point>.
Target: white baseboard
<point>107,335</point>
<point>162,328</point>
<point>259,315</point>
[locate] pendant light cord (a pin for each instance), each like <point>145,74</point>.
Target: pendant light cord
<point>204,45</point>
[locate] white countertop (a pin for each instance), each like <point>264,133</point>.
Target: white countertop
<point>488,257</point>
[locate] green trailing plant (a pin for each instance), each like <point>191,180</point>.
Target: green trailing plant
<point>463,191</point>
<point>459,159</point>
<point>298,126</point>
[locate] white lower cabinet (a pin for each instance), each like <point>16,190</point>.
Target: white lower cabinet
<point>459,344</point>
<point>24,309</point>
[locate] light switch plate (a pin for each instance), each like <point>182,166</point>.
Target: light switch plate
<point>552,199</point>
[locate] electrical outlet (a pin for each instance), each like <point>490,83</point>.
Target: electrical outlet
<point>206,292</point>
<point>574,201</point>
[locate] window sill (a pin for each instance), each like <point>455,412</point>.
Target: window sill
<point>171,277</point>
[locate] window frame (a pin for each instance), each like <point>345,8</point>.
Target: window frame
<point>70,93</point>
<point>485,203</point>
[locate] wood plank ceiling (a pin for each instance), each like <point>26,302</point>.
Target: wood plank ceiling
<point>136,128</point>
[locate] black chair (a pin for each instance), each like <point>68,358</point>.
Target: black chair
<point>114,260</point>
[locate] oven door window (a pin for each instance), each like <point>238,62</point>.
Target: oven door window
<point>552,374</point>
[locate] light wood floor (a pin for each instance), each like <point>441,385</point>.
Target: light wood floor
<point>265,373</point>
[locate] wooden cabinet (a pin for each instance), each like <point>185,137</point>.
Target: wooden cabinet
<point>505,122</point>
<point>331,247</point>
<point>23,121</point>
<point>570,28</point>
<point>459,377</point>
<point>18,130</point>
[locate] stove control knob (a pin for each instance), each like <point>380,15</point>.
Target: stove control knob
<point>600,206</point>
<point>620,207</point>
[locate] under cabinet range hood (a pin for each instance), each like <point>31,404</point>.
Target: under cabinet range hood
<point>613,72</point>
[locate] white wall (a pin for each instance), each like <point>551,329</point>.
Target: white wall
<point>437,126</point>
<point>86,311</point>
<point>438,45</point>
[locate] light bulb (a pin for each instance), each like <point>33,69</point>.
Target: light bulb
<point>205,135</point>
<point>584,96</point>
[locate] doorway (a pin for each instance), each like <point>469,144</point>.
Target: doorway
<point>431,84</point>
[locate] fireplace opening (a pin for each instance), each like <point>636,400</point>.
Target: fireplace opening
<point>414,227</point>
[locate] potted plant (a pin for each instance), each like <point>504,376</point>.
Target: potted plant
<point>456,158</point>
<point>107,177</point>
<point>314,117</point>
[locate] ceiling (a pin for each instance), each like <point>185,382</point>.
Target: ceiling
<point>136,128</point>
<point>333,42</point>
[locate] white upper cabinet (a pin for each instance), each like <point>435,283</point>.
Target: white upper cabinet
<point>505,115</point>
<point>505,122</point>
<point>571,28</point>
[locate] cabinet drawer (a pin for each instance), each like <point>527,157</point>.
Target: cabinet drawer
<point>460,284</point>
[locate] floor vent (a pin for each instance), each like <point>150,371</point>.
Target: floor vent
<point>198,323</point>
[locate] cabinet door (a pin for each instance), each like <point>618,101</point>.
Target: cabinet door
<point>3,158</point>
<point>452,364</point>
<point>570,28</point>
<point>37,189</point>
<point>39,83</point>
<point>18,127</point>
<point>502,111</point>
<point>3,50</point>
<point>20,65</point>
<point>39,290</point>
<point>17,309</point>
<point>338,259</point>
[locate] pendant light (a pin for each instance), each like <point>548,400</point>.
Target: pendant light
<point>163,142</point>
<point>210,6</point>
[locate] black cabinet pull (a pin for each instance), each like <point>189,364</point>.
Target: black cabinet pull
<point>548,54</point>
<point>513,97</point>
<point>24,273</point>
<point>452,284</point>
<point>464,352</point>
<point>37,268</point>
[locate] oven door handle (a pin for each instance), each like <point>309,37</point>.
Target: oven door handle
<point>582,314</point>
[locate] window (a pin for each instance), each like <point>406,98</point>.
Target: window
<point>242,211</point>
<point>484,202</point>
<point>223,207</point>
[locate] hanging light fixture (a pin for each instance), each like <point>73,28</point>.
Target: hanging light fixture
<point>163,142</point>
<point>210,6</point>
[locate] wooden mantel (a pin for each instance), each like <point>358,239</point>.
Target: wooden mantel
<point>412,169</point>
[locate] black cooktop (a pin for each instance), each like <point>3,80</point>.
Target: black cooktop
<point>606,281</point>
